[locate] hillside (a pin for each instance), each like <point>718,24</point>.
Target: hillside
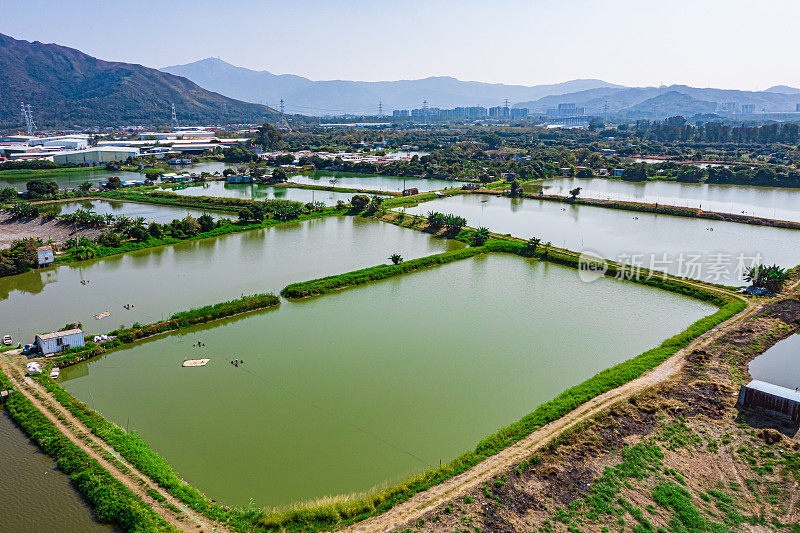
<point>68,88</point>
<point>303,95</point>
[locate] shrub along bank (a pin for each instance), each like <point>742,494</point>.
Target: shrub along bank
<point>113,503</point>
<point>177,321</point>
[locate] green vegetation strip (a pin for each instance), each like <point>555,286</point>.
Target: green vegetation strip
<point>112,502</point>
<point>177,321</point>
<point>358,277</point>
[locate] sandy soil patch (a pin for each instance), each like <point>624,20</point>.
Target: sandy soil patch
<point>55,229</point>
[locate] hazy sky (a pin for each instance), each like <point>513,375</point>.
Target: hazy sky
<point>706,43</point>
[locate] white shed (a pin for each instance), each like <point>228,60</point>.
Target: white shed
<point>49,343</point>
<point>45,255</point>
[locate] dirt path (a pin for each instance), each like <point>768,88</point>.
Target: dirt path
<point>410,511</point>
<point>100,451</point>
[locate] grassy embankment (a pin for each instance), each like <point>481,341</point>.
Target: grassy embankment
<point>184,319</point>
<point>113,503</point>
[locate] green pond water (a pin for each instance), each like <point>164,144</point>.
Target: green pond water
<point>778,365</point>
<point>161,281</point>
<point>674,244</point>
<point>375,183</point>
<point>366,386</point>
<point>253,191</point>
<point>150,212</point>
<point>37,497</point>
<point>767,202</point>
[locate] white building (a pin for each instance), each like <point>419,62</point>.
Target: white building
<point>50,343</point>
<point>94,156</point>
<point>45,255</point>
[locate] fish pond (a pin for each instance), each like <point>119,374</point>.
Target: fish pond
<point>695,248</point>
<point>254,191</point>
<point>778,365</point>
<point>376,183</point>
<point>161,281</point>
<point>766,202</point>
<point>366,386</point>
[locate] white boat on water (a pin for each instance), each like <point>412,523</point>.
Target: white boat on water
<point>195,362</point>
<point>54,372</point>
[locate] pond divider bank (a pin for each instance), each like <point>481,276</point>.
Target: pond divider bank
<point>183,319</point>
<point>112,502</point>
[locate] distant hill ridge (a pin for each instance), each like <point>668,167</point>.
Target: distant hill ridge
<point>305,96</point>
<point>68,88</point>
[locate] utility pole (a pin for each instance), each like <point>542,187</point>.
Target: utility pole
<point>174,118</point>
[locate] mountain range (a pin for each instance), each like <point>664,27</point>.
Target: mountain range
<point>672,100</point>
<point>304,96</point>
<point>67,88</point>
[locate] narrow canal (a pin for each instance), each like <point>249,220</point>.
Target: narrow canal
<point>353,389</point>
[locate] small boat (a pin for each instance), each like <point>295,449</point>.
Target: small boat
<point>100,316</point>
<point>34,368</point>
<point>174,161</point>
<point>54,372</point>
<point>7,340</point>
<point>186,161</point>
<point>195,362</point>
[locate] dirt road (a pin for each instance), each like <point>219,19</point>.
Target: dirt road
<point>99,450</point>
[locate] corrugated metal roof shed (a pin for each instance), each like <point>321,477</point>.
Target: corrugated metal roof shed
<point>770,398</point>
<point>56,334</point>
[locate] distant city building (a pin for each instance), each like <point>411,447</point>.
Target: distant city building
<point>567,110</point>
<point>748,109</point>
<point>400,113</point>
<point>499,112</point>
<point>519,111</point>
<point>797,108</point>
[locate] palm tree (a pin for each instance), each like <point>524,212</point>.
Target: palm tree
<point>530,246</point>
<point>396,258</point>
<point>480,236</point>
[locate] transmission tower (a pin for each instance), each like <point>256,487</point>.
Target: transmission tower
<point>380,109</point>
<point>605,107</point>
<point>506,113</point>
<point>425,111</point>
<point>282,121</point>
<point>27,118</point>
<point>174,118</point>
<point>225,108</point>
